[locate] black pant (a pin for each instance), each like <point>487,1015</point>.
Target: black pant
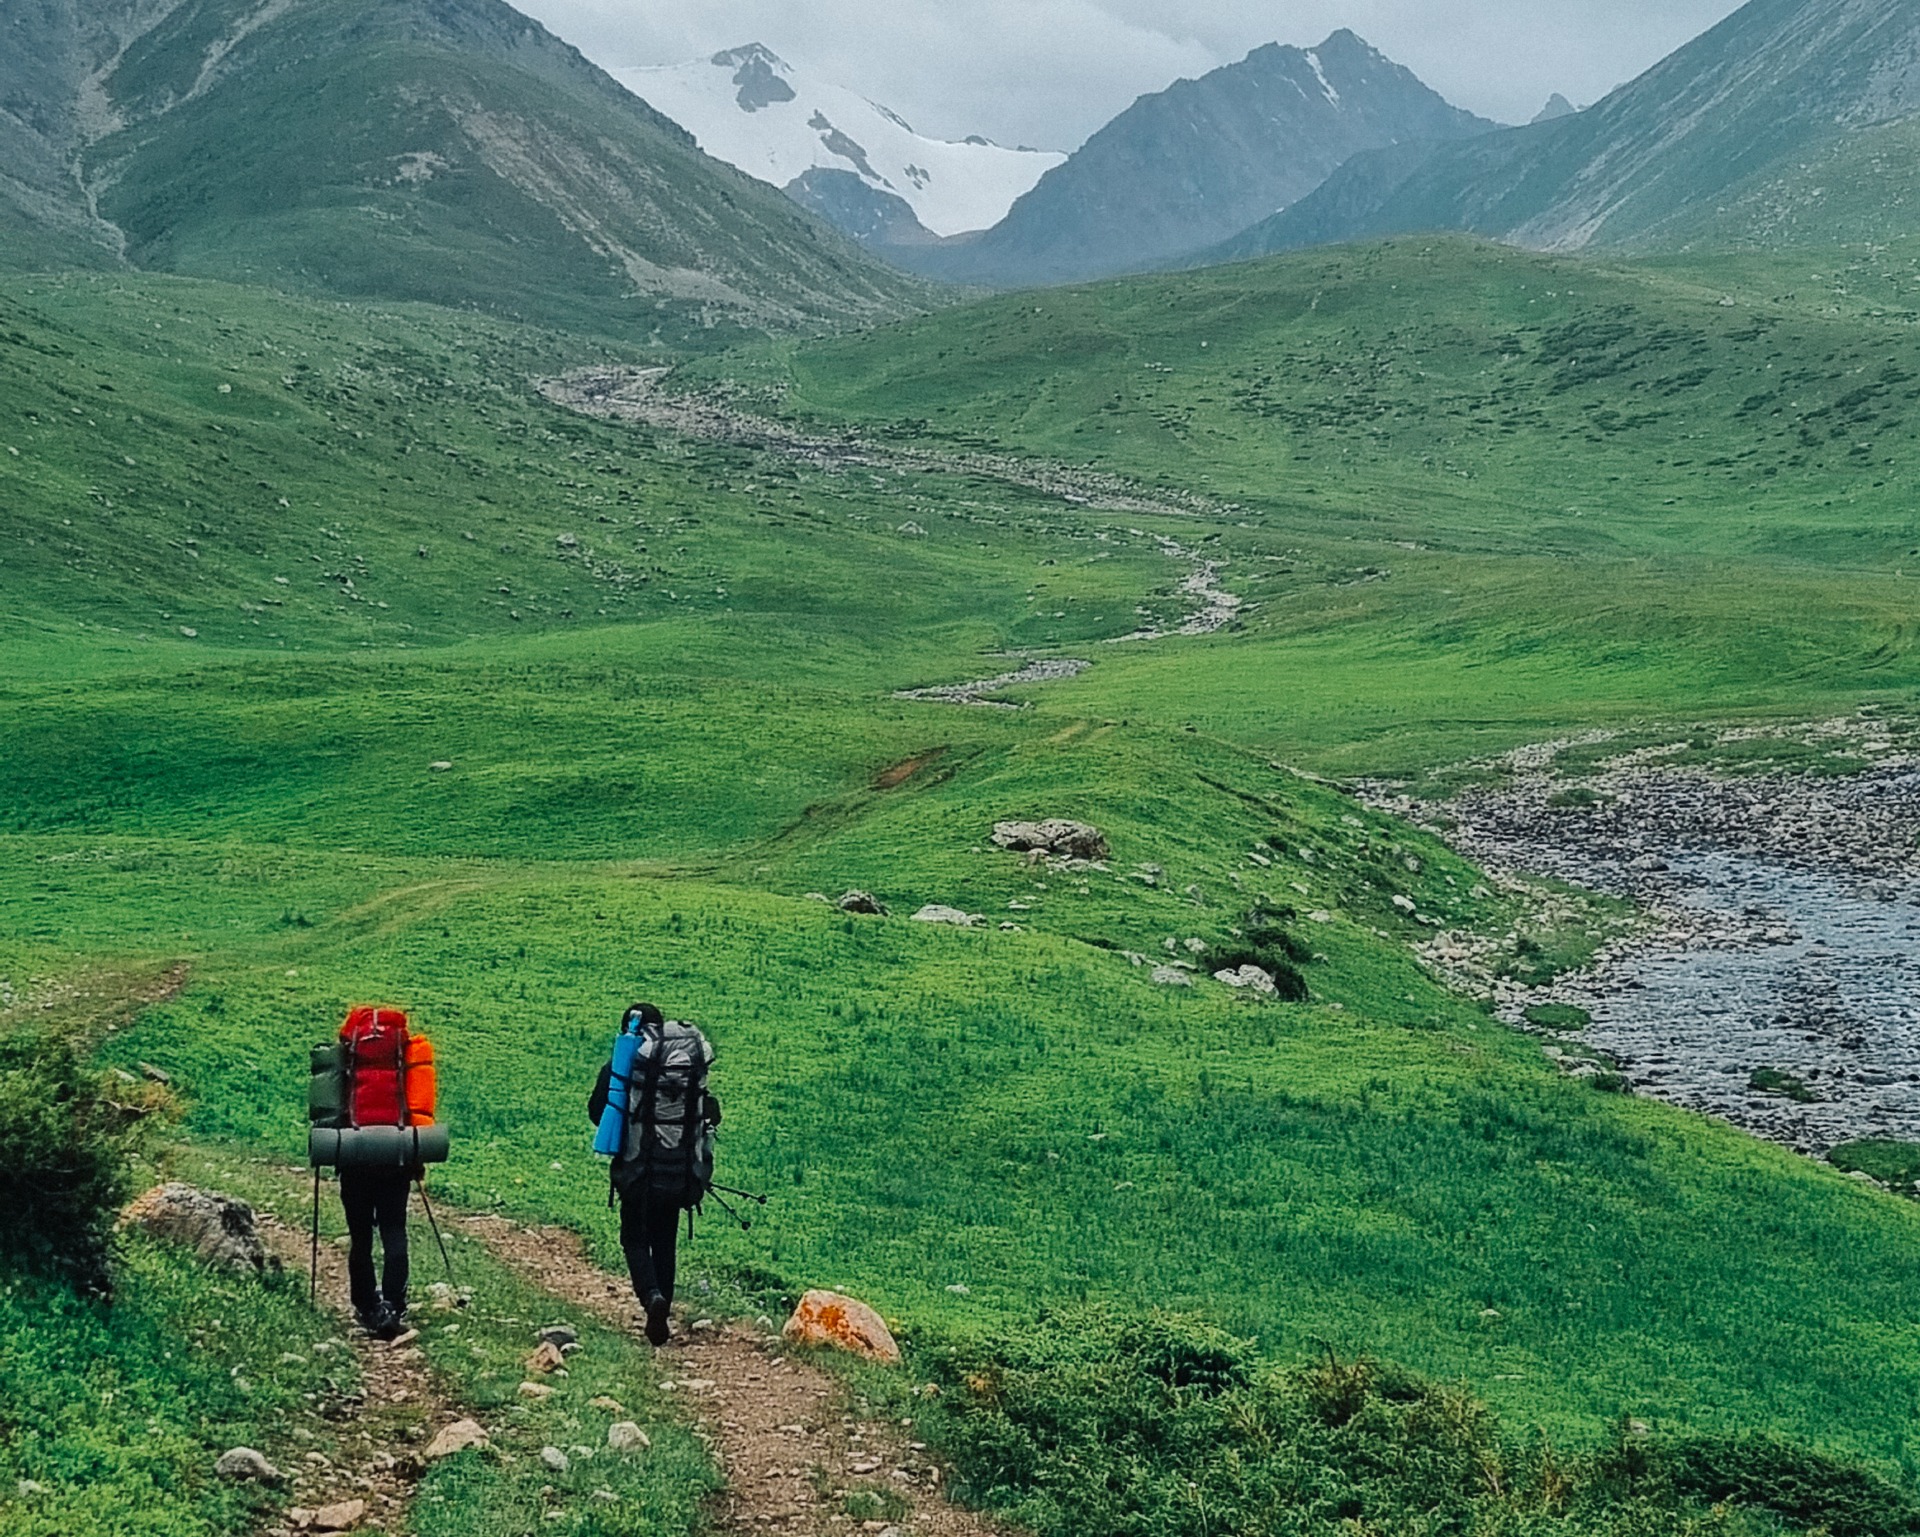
<point>371,1196</point>
<point>650,1235</point>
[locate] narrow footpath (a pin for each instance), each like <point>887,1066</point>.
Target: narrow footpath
<point>795,1458</point>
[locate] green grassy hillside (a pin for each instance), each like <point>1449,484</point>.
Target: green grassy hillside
<point>1475,495</point>
<point>513,811</point>
<point>453,153</point>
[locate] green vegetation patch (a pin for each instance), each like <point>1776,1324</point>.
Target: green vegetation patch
<point>114,1415</point>
<point>1891,1162</point>
<point>1557,1016</point>
<point>1772,1080</point>
<point>1097,1424</point>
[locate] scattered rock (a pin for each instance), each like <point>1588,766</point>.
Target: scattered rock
<point>189,632</point>
<point>158,1075</point>
<point>830,1319</point>
<point>567,542</point>
<point>625,1436</point>
<point>244,1465</point>
<point>220,1230</point>
<point>1067,840</point>
<point>933,912</point>
<point>555,1459</point>
<point>862,902</point>
<point>1251,978</point>
<point>457,1437</point>
<point>604,1405</point>
<point>341,1516</point>
<point>559,1336</point>
<point>441,766</point>
<point>1172,976</point>
<point>547,1358</point>
<point>539,1392</point>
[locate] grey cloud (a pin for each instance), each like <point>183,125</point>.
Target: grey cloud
<point>1049,72</point>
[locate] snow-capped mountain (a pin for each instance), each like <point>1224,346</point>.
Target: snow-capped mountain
<point>1200,161</point>
<point>750,108</point>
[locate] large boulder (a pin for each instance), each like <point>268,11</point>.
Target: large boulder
<point>933,912</point>
<point>1252,978</point>
<point>1063,839</point>
<point>219,1229</point>
<point>841,1323</point>
<point>457,1437</point>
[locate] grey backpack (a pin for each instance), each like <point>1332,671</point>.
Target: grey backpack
<point>668,1148</point>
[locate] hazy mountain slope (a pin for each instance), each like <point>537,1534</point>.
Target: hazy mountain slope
<point>1203,160</point>
<point>1779,83</point>
<point>443,150</point>
<point>753,110</point>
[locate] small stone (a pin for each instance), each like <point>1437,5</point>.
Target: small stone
<point>158,1075</point>
<point>559,1335</point>
<point>189,632</point>
<point>539,1392</point>
<point>244,1465</point>
<point>457,1437</point>
<point>555,1459</point>
<point>1171,976</point>
<point>546,1359</point>
<point>862,902</point>
<point>342,1516</point>
<point>440,766</point>
<point>400,1340</point>
<point>625,1436</point>
<point>604,1404</point>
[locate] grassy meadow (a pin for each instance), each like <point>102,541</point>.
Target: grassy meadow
<point>341,666</point>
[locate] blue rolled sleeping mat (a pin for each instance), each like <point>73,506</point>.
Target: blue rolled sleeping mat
<point>611,1135</point>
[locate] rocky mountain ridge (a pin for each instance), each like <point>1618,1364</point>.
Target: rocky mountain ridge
<point>1196,163</point>
<point>1702,147</point>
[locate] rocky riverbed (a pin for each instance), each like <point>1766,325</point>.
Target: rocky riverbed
<point>1775,979</point>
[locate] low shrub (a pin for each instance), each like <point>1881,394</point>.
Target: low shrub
<point>1890,1161</point>
<point>66,1138</point>
<point>1099,1424</point>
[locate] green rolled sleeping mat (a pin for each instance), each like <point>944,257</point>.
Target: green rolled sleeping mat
<point>327,1088</point>
<point>376,1147</point>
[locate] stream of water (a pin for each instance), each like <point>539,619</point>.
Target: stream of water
<point>1813,975</point>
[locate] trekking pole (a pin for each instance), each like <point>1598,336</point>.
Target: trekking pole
<point>313,1256</point>
<point>445,1258</point>
<point>745,1195</point>
<point>746,1223</point>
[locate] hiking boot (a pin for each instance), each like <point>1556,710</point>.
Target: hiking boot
<point>658,1333</point>
<point>383,1323</point>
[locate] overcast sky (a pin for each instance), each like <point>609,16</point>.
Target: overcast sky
<point>1049,72</point>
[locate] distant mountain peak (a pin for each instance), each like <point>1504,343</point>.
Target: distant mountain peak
<point>823,143</point>
<point>760,73</point>
<point>1203,160</point>
<point>1556,108</point>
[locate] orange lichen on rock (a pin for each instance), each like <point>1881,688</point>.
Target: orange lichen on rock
<point>827,1318</point>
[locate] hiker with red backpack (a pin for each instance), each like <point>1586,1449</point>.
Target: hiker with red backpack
<point>370,1105</point>
<point>655,1118</point>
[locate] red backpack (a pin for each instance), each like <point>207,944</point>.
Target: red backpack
<point>389,1071</point>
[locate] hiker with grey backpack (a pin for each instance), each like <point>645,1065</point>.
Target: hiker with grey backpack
<point>655,1118</point>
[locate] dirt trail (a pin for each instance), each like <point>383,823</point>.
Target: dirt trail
<point>796,1460</point>
<point>400,1399</point>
